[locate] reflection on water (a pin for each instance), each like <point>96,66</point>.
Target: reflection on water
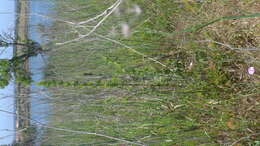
<point>39,107</point>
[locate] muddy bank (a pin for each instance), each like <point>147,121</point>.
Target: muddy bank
<point>22,91</point>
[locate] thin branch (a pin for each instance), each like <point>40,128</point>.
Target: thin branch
<point>226,45</point>
<point>242,138</point>
<point>100,15</point>
<point>95,27</point>
<point>56,19</point>
<point>73,131</point>
<point>135,51</point>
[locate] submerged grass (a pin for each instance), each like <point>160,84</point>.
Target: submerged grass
<point>208,98</point>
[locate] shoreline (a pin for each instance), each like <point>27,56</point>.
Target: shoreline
<point>22,98</point>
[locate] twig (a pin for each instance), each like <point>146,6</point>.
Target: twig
<point>219,43</point>
<point>95,27</point>
<point>240,139</point>
<point>98,16</point>
<point>228,46</point>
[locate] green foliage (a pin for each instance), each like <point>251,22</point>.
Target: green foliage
<point>7,68</point>
<point>5,73</point>
<point>16,64</point>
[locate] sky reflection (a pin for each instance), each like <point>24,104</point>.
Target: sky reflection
<point>7,121</point>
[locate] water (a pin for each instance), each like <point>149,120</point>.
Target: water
<point>39,107</point>
<point>7,102</point>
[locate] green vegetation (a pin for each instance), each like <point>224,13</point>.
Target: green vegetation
<point>202,96</point>
<point>17,64</point>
